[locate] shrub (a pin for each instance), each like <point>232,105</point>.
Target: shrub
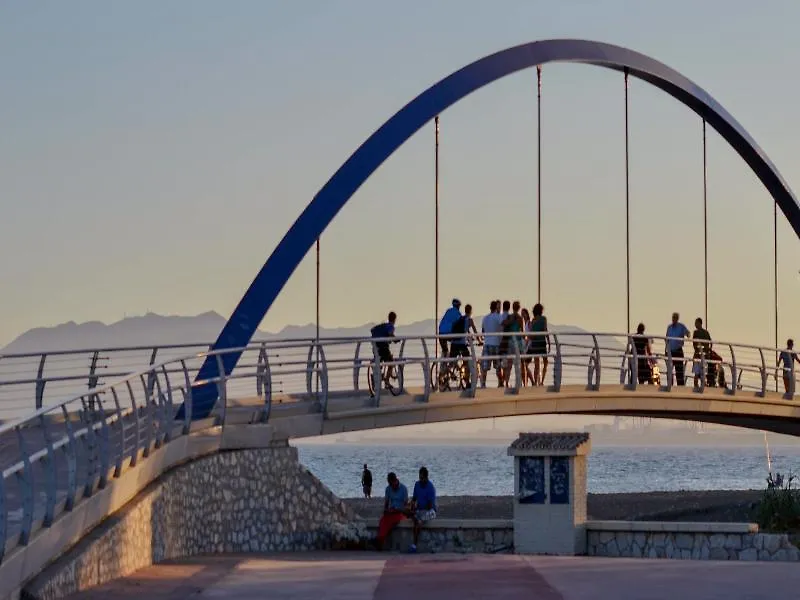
<point>779,509</point>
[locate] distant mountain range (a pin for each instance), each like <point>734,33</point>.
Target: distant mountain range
<point>158,330</point>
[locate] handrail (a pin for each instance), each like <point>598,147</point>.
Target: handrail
<point>112,426</point>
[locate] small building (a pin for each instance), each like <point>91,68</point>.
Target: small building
<point>550,473</point>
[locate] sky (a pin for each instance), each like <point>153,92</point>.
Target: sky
<point>153,154</point>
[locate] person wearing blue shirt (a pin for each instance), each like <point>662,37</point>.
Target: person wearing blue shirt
<point>677,331</point>
<point>424,504</point>
<point>451,315</point>
<point>385,330</point>
<point>395,508</point>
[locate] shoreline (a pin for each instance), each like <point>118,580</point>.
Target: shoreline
<point>725,506</point>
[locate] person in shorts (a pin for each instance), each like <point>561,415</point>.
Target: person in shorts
<point>423,504</point>
<point>490,327</point>
<point>383,331</point>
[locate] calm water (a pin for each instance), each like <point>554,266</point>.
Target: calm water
<point>487,470</point>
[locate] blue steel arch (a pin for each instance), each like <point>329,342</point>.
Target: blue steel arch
<point>408,120</point>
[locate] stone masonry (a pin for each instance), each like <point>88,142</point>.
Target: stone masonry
<point>259,500</point>
<point>464,537</point>
<point>692,545</point>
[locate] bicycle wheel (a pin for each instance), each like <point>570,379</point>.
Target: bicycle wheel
<point>463,374</point>
<point>391,383</point>
<point>435,382</point>
<point>370,381</point>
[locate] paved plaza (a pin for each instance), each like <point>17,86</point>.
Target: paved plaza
<point>366,576</point>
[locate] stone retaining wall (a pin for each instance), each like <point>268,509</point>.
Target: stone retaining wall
<point>453,535</point>
<point>697,541</point>
<point>259,500</point>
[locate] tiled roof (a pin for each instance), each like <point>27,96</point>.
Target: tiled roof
<point>549,441</point>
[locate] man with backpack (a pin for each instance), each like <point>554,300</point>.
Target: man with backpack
<point>451,315</point>
<point>383,332</point>
<point>464,324</point>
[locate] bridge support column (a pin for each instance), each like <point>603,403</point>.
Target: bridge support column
<point>550,492</point>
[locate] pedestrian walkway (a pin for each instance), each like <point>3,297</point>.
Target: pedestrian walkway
<point>367,576</point>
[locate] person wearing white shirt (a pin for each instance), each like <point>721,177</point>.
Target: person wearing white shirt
<point>490,327</point>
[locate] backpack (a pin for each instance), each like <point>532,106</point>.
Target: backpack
<point>460,325</point>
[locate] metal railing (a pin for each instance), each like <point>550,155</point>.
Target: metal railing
<point>60,454</point>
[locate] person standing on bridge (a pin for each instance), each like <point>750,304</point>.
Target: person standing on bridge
<point>451,315</point>
<point>490,327</point>
<point>702,349</point>
<point>539,345</point>
<point>787,357</point>
<point>676,331</point>
<point>366,482</point>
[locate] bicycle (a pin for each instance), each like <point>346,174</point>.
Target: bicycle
<point>454,375</point>
<point>389,379</point>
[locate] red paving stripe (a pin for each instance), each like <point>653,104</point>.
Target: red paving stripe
<point>462,578</point>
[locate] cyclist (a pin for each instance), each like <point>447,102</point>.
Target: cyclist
<point>464,324</point>
<point>385,330</point>
<point>451,315</point>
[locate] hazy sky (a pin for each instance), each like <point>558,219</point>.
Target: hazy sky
<point>154,153</point>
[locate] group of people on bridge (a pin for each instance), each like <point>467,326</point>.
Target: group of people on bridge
<point>511,318</point>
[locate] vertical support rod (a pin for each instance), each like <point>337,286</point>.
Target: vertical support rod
<point>627,215</point>
<point>705,226</point>
<point>316,337</point>
<point>775,273</point>
<point>539,182</point>
<point>436,234</point>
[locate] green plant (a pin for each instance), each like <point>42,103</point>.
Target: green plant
<point>779,509</point>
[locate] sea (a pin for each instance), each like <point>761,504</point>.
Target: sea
<point>486,470</point>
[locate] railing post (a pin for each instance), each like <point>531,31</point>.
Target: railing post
<point>40,383</point>
<point>3,518</point>
<point>594,365</point>
<point>473,367</point>
<point>517,364</point>
<point>763,370</point>
<point>187,401</point>
<point>377,380</point>
<point>732,389</point>
<point>670,367</point>
<point>137,428</point>
<point>310,370</point>
<point>267,383</point>
<point>401,382</point>
<point>71,454</point>
<point>25,478</point>
<point>153,375</point>
<point>50,476</point>
<point>262,356</point>
<point>150,409</point>
<point>121,423</point>
<point>426,371</point>
<point>634,364</point>
<point>104,445</point>
<point>703,369</point>
<point>357,367</point>
<point>222,389</point>
<point>558,365</point>
<point>165,393</point>
<point>322,366</point>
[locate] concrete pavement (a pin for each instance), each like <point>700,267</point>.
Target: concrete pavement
<point>369,576</point>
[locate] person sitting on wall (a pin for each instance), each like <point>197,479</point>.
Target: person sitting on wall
<point>395,508</point>
<point>423,504</point>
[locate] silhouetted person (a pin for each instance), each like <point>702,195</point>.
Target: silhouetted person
<point>366,482</point>
<point>677,331</point>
